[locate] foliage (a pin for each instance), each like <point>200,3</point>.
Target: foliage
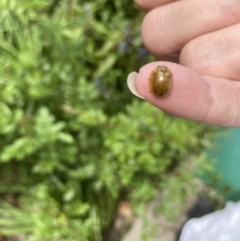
<point>74,141</point>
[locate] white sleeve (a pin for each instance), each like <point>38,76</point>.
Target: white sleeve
<point>223,225</point>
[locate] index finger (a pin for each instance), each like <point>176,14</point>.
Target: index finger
<point>205,99</point>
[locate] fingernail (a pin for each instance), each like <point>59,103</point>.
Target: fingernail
<point>131,82</point>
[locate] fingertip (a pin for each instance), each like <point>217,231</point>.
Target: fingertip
<point>151,4</point>
<point>144,5</point>
<point>185,98</point>
<point>155,34</point>
<point>193,96</point>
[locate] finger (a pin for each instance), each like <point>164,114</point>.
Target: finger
<point>151,4</point>
<point>166,29</point>
<point>216,54</point>
<point>201,98</point>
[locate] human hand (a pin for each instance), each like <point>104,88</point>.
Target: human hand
<point>205,35</point>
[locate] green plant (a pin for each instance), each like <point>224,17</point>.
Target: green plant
<point>69,123</point>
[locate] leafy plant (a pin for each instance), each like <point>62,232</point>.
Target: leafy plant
<point>73,141</point>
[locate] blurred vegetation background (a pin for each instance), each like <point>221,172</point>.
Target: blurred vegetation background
<point>75,143</point>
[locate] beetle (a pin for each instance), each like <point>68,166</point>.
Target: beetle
<point>160,81</point>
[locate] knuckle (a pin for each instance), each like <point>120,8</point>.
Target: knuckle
<point>204,54</point>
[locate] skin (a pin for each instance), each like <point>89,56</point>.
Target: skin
<point>204,36</point>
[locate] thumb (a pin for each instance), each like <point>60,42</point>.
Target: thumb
<point>192,96</point>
